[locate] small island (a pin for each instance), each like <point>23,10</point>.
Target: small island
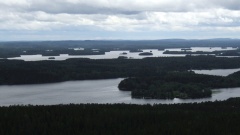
<point>124,53</point>
<point>145,54</point>
<point>51,58</point>
<point>122,57</point>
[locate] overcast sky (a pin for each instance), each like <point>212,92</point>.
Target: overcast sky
<point>118,19</point>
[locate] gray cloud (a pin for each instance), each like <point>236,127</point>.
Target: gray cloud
<point>227,4</point>
<point>120,15</point>
<point>117,6</point>
<point>113,7</point>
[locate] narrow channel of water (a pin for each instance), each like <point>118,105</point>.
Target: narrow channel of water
<point>218,72</point>
<point>90,91</point>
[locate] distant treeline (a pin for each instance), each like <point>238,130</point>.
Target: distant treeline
<point>177,85</point>
<point>209,118</point>
<point>21,72</point>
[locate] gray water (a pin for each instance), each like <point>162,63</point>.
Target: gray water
<point>218,72</point>
<point>116,54</point>
<point>90,91</point>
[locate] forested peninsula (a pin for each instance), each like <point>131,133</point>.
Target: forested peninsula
<point>177,85</point>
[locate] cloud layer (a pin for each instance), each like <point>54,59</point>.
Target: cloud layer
<point>129,16</point>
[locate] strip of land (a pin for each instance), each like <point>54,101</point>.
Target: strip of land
<point>208,118</point>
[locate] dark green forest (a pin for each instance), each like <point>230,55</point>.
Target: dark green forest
<point>209,118</point>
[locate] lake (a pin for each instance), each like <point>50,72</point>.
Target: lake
<point>116,54</point>
<point>218,72</point>
<point>88,91</point>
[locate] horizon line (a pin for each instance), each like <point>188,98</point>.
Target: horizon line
<point>118,39</point>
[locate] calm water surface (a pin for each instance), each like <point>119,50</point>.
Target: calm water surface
<point>91,91</point>
<point>219,72</point>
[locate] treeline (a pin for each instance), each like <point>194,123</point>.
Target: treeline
<point>21,72</point>
<point>209,118</point>
<point>177,85</point>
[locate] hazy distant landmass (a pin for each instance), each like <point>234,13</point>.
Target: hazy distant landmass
<point>17,48</point>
